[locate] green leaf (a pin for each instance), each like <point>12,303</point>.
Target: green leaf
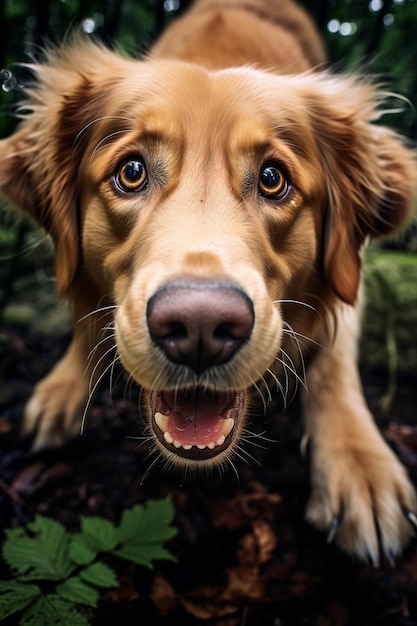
<point>75,590</point>
<point>80,551</point>
<point>144,554</point>
<point>99,574</point>
<point>51,610</point>
<point>142,531</point>
<point>149,523</point>
<point>41,557</point>
<point>15,596</point>
<point>99,533</point>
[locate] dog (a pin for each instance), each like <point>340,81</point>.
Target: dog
<point>208,206</point>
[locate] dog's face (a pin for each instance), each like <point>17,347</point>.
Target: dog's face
<point>216,224</point>
<point>216,211</point>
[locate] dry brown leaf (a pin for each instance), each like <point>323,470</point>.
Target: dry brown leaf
<point>266,540</point>
<point>163,596</point>
<point>25,482</point>
<point>244,583</point>
<point>246,507</point>
<point>125,592</point>
<point>208,603</point>
<point>214,601</point>
<point>257,547</point>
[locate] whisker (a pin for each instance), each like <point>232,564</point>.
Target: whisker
<point>249,436</point>
<point>279,385</point>
<point>291,366</point>
<point>95,348</point>
<point>115,359</point>
<point>299,302</point>
<point>127,389</point>
<point>289,330</point>
<point>286,368</point>
<point>300,352</point>
<point>90,396</point>
<point>101,144</point>
<point>261,396</point>
<point>242,454</point>
<point>232,465</point>
<point>148,470</point>
<point>97,365</point>
<point>95,121</point>
<point>267,389</point>
<point>100,310</point>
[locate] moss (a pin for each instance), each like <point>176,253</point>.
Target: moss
<point>390,315</point>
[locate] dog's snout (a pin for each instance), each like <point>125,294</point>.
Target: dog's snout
<point>200,323</point>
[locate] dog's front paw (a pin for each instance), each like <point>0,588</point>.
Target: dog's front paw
<point>54,412</point>
<point>362,497</point>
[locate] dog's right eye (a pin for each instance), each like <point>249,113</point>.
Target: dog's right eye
<point>131,176</point>
<point>273,182</point>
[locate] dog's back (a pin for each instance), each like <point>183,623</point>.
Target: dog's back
<point>276,35</point>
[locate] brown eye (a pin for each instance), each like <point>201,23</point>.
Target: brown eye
<point>273,183</point>
<point>132,175</point>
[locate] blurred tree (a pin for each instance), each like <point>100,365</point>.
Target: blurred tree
<point>378,38</point>
<point>378,35</point>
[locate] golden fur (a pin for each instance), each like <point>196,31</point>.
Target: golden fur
<point>229,171</point>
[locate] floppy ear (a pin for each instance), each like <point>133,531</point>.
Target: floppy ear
<point>370,177</point>
<point>39,162</point>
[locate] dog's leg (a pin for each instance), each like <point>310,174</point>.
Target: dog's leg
<point>360,492</point>
<point>55,410</point>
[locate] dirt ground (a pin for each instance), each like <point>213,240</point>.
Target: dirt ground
<point>245,555</point>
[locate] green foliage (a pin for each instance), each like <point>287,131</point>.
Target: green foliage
<point>56,571</point>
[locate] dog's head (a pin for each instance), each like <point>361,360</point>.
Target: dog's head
<point>205,206</point>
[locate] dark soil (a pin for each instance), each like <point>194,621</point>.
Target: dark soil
<point>244,554</point>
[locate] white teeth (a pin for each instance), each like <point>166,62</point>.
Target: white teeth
<point>227,427</point>
<point>162,421</point>
<point>168,437</point>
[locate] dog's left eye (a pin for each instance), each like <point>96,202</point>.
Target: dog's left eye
<point>273,182</point>
<point>131,175</point>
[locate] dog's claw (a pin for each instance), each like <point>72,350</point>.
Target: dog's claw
<point>412,518</point>
<point>391,558</point>
<point>333,528</point>
<point>305,441</point>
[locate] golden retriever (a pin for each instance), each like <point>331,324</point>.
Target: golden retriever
<point>208,205</point>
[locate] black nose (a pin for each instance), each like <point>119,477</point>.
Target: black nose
<point>200,323</point>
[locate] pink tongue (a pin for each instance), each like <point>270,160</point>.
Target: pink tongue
<point>195,418</point>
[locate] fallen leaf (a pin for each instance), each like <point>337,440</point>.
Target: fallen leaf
<point>243,583</point>
<point>125,592</point>
<point>163,596</point>
<point>32,479</point>
<point>258,504</point>
<point>266,540</point>
<point>208,603</point>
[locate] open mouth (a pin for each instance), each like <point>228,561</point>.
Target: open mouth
<point>196,423</point>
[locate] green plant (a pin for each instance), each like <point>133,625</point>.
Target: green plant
<point>56,570</point>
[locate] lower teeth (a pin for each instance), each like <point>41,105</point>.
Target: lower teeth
<point>161,421</point>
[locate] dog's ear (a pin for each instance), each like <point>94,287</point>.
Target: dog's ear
<point>39,163</point>
<point>370,177</point>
